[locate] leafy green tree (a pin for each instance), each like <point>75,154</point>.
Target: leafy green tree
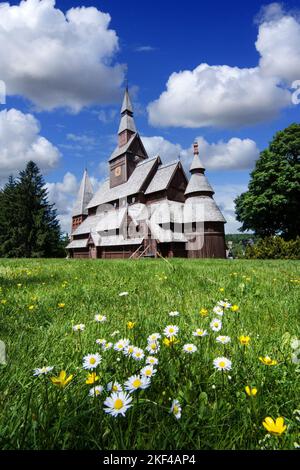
<point>272,203</point>
<point>30,226</point>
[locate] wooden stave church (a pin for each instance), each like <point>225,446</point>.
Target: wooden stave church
<point>139,187</point>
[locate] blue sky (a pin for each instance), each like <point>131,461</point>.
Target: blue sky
<point>65,109</point>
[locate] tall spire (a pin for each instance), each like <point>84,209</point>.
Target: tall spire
<point>198,184</point>
<point>127,125</point>
<point>84,196</point>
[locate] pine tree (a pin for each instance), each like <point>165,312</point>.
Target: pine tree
<point>30,226</point>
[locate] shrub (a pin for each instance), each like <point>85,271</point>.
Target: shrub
<point>274,248</point>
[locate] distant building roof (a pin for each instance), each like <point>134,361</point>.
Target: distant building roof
<point>84,196</point>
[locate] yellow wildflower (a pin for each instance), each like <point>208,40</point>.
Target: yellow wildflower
<point>60,305</point>
<point>3,301</point>
<point>235,308</point>
<point>31,307</point>
<point>130,325</point>
<point>274,427</point>
<point>244,340</point>
<point>92,378</point>
<point>268,361</point>
<point>61,380</point>
<point>251,392</point>
<point>19,285</point>
<point>221,289</point>
<point>203,312</point>
<point>170,341</point>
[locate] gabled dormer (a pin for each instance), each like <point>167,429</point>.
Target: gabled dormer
<point>130,150</point>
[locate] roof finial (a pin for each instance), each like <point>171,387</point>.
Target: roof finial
<point>196,148</point>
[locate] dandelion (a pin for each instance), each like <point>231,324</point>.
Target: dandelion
<point>189,348</point>
<point>251,391</point>
<point>203,312</point>
<point>130,325</point>
<point>96,391</point>
<point>122,294</point>
<point>31,307</point>
<point>218,310</point>
<point>267,361</point>
<point>148,371</point>
<point>223,339</point>
<point>222,363</point>
<point>117,403</point>
<point>221,289</point>
<point>274,427</point>
<point>61,305</point>
<point>199,332</point>
<point>151,360</point>
<point>91,361</point>
<point>244,340</point>
<point>42,371</point>
<point>136,382</point>
<point>170,341</point>
<point>100,318</point>
<point>114,387</point>
<point>176,409</point>
<point>153,347</point>
<point>138,354</point>
<point>153,337</point>
<point>79,327</point>
<point>174,314</point>
<point>171,330</point>
<point>61,381</point>
<point>92,378</point>
<point>235,308</point>
<point>216,324</point>
<point>121,344</point>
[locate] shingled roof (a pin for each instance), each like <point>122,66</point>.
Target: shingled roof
<point>84,196</point>
<point>162,177</point>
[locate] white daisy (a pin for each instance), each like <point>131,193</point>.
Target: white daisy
<point>174,314</point>
<point>117,403</point>
<point>222,363</point>
<point>153,337</point>
<point>216,324</point>
<point>138,354</point>
<point>79,327</point>
<point>171,330</point>
<point>95,391</point>
<point>122,294</point>
<point>114,387</point>
<point>101,341</point>
<point>107,346</point>
<point>42,371</point>
<point>129,350</point>
<point>151,360</point>
<point>200,332</point>
<point>176,409</point>
<point>121,344</point>
<point>153,347</point>
<point>148,371</point>
<point>136,382</point>
<point>189,348</point>
<point>224,304</point>
<point>223,339</point>
<point>91,361</point>
<point>218,310</point>
<point>100,318</point>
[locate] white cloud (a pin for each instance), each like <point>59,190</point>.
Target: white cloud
<point>226,96</point>
<point>224,197</point>
<point>56,59</point>
<point>20,141</point>
<point>236,154</point>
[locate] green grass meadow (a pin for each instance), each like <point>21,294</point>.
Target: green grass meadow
<point>41,300</point>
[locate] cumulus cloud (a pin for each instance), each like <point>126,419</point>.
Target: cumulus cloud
<point>225,96</point>
<point>224,196</point>
<point>20,141</point>
<point>235,154</point>
<point>56,59</point>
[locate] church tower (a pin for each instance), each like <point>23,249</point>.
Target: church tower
<point>203,215</point>
<point>84,196</point>
<point>130,150</point>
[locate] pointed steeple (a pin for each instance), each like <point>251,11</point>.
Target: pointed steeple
<point>127,125</point>
<point>198,184</point>
<point>84,196</point>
